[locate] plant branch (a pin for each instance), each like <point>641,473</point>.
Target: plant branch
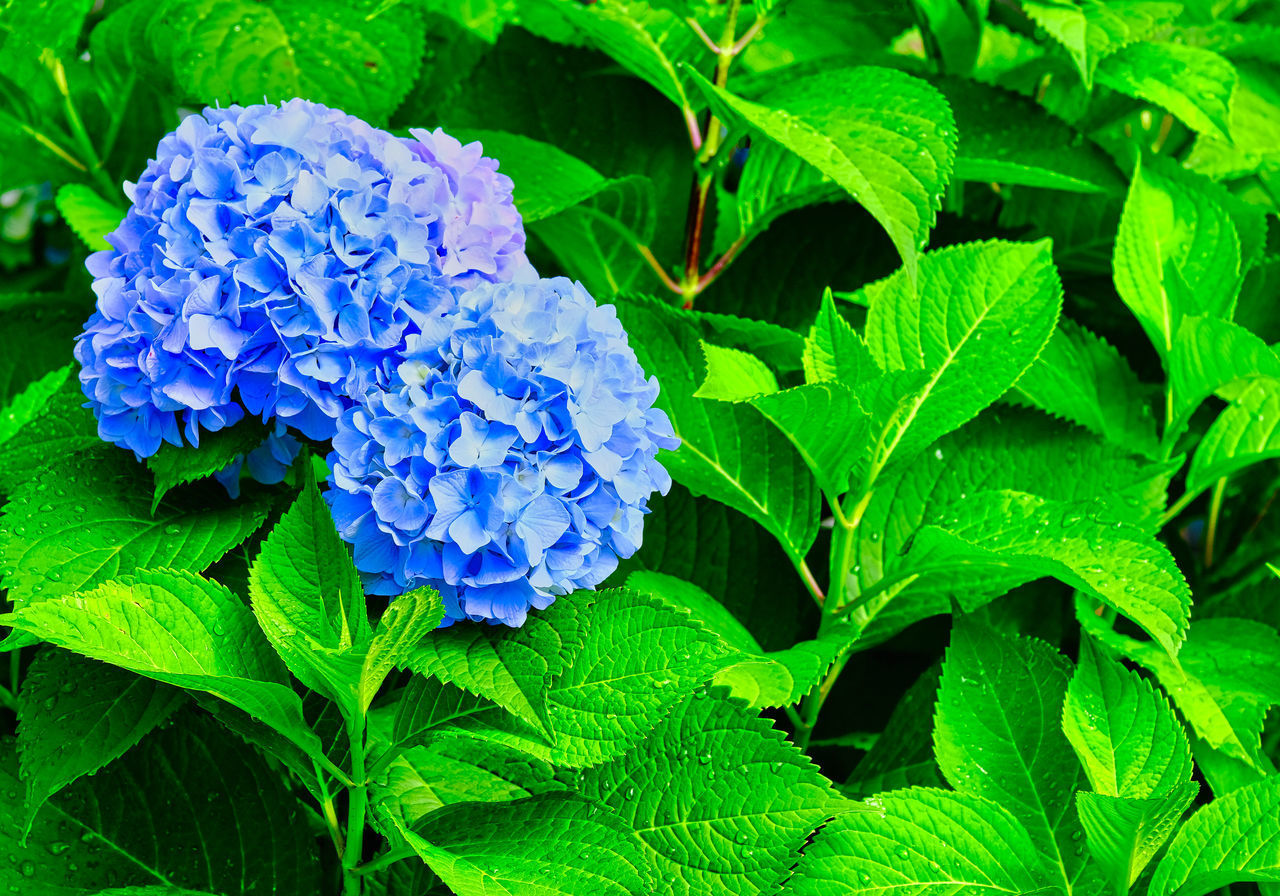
<point>1211,528</point>
<point>327,809</point>
<point>811,583</point>
<point>356,807</point>
<point>386,860</point>
<point>1177,507</point>
<point>78,130</point>
<point>647,254</point>
<point>696,216</point>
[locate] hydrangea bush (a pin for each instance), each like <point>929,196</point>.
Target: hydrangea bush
<point>697,447</point>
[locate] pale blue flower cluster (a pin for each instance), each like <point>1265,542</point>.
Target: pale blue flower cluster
<point>273,261</point>
<point>512,461</point>
<point>493,434</point>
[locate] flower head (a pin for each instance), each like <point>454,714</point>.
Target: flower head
<point>512,458</point>
<point>273,262</point>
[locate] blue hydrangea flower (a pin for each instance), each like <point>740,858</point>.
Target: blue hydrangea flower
<point>268,463</point>
<point>273,261</point>
<point>512,459</point>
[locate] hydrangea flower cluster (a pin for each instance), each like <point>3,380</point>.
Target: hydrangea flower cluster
<point>512,460</point>
<point>493,434</point>
<point>274,260</point>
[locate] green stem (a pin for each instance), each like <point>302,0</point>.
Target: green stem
<point>54,148</point>
<point>328,811</point>
<point>832,608</point>
<point>386,860</point>
<point>356,806</point>
<point>1211,529</point>
<point>15,671</point>
<point>81,134</point>
<point>1178,506</point>
<point>691,281</point>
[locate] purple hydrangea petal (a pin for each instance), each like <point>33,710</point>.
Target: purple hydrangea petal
<point>275,259</point>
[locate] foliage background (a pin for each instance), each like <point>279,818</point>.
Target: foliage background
<point>964,311</point>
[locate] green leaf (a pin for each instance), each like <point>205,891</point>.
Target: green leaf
<point>1109,559</point>
<point>188,807</point>
<point>758,677</point>
<point>728,452</point>
<point>75,716</point>
<point>1176,253</point>
<point>998,735</point>
<point>1226,676</point>
<point>1245,433</point>
<point>1236,838</point>
<point>307,597</point>
<point>407,620</point>
<point>173,465</point>
<point>634,659</point>
<point>452,770</point>
<point>1008,139</point>
<point>1193,83</point>
<point>90,216</point>
<point>36,334</point>
<point>734,375</point>
<point>1123,730</point>
<point>731,558</point>
<point>180,629</point>
<point>647,42</point>
<point>510,667</point>
<point>87,519</point>
<point>1254,130</point>
<point>1092,30</point>
<point>834,352</point>
<point>718,800</point>
<point>921,840</point>
<point>889,143</point>
<point>1007,293</point>
<point>132,823</point>
<point>828,427</point>
<point>1001,449</point>
<point>54,431</point>
<point>549,845</point>
<point>1125,833</point>
<point>236,51</point>
<point>1209,354</point>
<point>902,755</point>
<point>31,402</point>
<point>1082,378</point>
<point>547,179</point>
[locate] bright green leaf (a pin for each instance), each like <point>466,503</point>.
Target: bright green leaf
<point>921,840</point>
<point>89,215</point>
<point>549,845</point>
<point>998,736</point>
<point>719,801</point>
<point>1177,252</point>
<point>1080,377</point>
<point>1193,83</point>
<point>728,452</point>
<point>180,629</point>
<point>889,143</point>
<point>1124,834</point>
<point>307,597</point>
<point>1246,432</point>
<point>328,51</point>
<point>1005,293</point>
<point>734,375</point>
<point>1123,730</point>
<point>1236,838</point>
